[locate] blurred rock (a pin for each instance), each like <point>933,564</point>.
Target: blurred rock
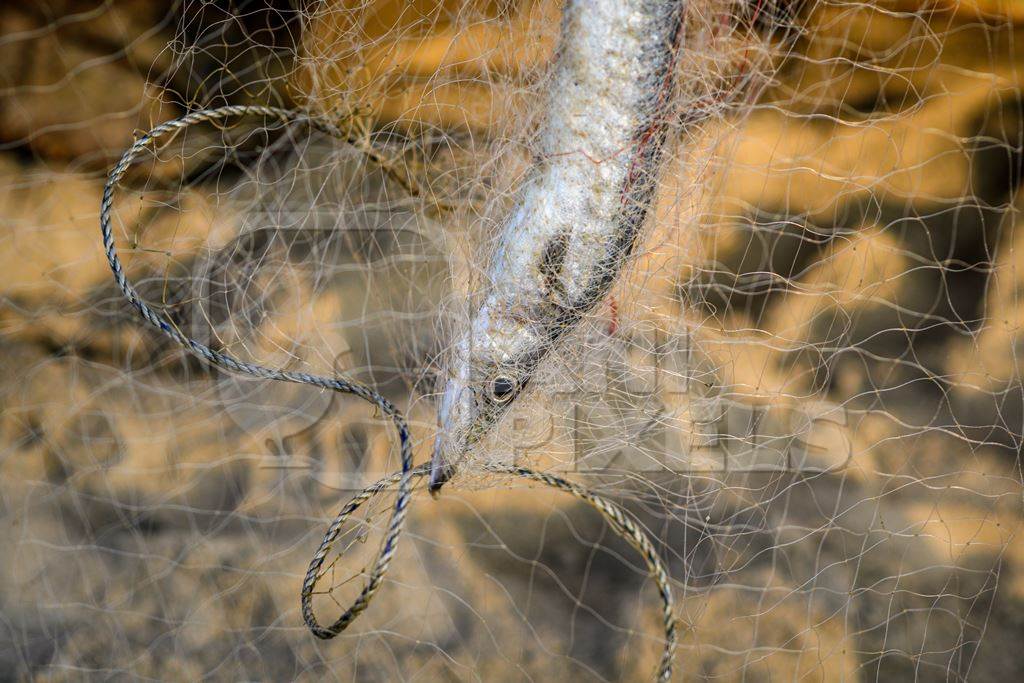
<point>75,91</point>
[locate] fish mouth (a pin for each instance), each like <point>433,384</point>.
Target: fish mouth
<point>456,418</point>
<point>440,474</point>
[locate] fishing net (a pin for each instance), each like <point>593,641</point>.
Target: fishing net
<point>799,408</point>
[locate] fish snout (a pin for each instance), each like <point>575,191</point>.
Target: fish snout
<point>455,420</point>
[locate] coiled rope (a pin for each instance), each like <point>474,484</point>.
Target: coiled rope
<point>620,521</point>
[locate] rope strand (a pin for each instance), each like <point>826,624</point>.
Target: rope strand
<point>228,362</point>
<point>618,519</point>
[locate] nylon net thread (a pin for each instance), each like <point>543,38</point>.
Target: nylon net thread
<point>804,389</point>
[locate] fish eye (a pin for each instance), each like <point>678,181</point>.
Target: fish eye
<point>502,388</point>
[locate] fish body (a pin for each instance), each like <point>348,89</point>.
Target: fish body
<point>581,209</point>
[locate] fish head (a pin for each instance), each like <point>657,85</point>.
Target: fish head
<point>488,368</point>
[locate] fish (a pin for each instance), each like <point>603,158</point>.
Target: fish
<point>578,215</point>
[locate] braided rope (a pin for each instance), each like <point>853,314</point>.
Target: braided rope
<point>618,519</point>
<point>233,364</point>
<point>621,522</point>
<point>626,527</point>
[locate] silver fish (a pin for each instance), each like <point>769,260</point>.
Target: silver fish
<point>580,211</point>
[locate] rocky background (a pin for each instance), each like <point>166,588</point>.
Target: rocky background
<point>853,246</point>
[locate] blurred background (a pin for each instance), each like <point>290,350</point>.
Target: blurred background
<point>834,245</point>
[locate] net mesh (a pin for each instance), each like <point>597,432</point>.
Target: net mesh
<point>804,387</point>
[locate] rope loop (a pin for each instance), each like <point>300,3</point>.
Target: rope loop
<point>229,362</point>
<point>620,521</point>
